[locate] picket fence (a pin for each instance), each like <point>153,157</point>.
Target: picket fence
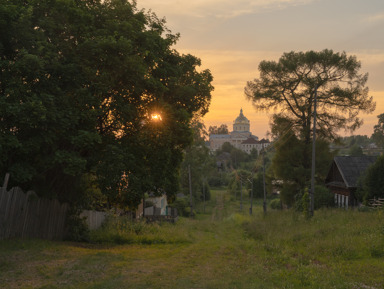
<point>24,215</point>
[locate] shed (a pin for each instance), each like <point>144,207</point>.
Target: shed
<point>342,178</point>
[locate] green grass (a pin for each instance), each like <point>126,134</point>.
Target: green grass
<point>223,248</point>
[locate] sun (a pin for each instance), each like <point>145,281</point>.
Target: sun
<point>156,117</point>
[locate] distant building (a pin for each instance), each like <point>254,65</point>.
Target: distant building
<point>240,137</point>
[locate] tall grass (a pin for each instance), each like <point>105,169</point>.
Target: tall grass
<point>224,248</point>
<point>122,230</point>
<point>333,242</point>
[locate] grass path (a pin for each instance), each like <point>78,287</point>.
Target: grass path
<point>223,248</point>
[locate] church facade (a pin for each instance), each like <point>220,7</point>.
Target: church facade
<point>240,137</point>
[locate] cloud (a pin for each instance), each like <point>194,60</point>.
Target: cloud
<point>374,18</point>
<point>220,9</point>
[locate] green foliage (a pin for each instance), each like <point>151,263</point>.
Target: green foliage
<point>78,83</point>
<point>372,182</point>
<point>355,150</point>
<point>254,153</point>
<point>222,129</point>
<point>334,249</point>
<point>124,230</point>
<point>305,202</point>
<point>292,166</point>
<point>182,205</point>
<point>77,228</point>
<point>358,140</point>
<point>239,180</point>
<point>378,131</point>
<point>197,158</point>
<point>323,197</point>
<point>205,192</point>
<point>237,156</point>
<point>275,204</point>
<point>290,86</point>
<point>258,185</point>
<point>218,178</point>
<point>292,82</point>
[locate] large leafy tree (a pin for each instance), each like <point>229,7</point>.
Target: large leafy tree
<point>372,182</point>
<point>78,82</point>
<point>378,131</point>
<point>289,86</point>
<point>199,161</point>
<point>289,165</point>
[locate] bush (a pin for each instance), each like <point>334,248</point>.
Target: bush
<point>275,204</point>
<point>182,206</point>
<point>323,198</point>
<point>77,228</point>
<point>373,181</point>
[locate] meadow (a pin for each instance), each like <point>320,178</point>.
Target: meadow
<point>224,247</point>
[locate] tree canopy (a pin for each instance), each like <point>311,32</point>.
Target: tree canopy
<point>378,131</point>
<point>78,83</point>
<point>372,182</point>
<point>290,84</point>
<point>222,129</point>
<point>288,87</point>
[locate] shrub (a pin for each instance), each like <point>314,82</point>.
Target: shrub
<point>182,206</point>
<point>77,228</point>
<point>275,204</point>
<point>373,181</point>
<point>323,198</point>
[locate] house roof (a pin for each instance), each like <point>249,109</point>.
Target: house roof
<point>264,141</point>
<point>352,167</point>
<point>219,136</point>
<point>250,140</point>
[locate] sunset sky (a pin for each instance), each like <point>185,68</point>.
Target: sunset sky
<point>232,37</point>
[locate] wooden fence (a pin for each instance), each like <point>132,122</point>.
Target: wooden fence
<point>376,203</point>
<point>24,215</point>
<point>152,214</point>
<point>94,219</point>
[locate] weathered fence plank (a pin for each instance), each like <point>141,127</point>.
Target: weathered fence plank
<point>94,219</point>
<point>27,216</point>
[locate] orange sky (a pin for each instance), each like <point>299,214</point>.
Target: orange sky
<point>231,71</point>
<point>232,37</point>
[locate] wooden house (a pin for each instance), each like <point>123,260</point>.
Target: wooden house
<point>342,178</point>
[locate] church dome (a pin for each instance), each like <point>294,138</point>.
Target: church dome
<point>241,119</point>
<point>241,123</point>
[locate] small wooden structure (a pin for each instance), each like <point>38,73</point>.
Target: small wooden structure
<point>343,177</point>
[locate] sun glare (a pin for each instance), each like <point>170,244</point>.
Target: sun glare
<point>156,117</point>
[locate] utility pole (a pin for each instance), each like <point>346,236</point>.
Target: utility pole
<point>250,209</point>
<point>265,193</point>
<point>190,190</point>
<point>241,193</point>
<point>312,194</point>
<point>204,196</point>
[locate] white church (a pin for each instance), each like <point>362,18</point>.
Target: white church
<point>240,137</point>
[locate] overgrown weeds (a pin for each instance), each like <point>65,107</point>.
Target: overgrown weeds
<point>124,230</point>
